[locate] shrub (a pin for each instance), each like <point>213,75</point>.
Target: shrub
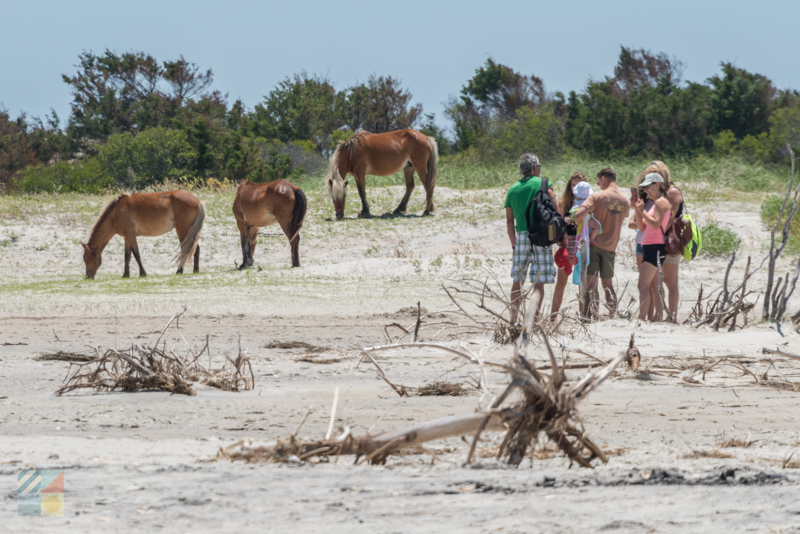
<point>717,240</point>
<point>769,214</point>
<point>148,158</point>
<point>84,176</point>
<point>536,131</point>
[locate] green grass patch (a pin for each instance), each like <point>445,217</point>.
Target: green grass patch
<point>770,209</point>
<point>717,240</point>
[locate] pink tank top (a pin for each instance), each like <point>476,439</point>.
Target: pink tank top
<point>651,235</point>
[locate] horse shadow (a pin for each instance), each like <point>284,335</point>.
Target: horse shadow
<point>385,217</point>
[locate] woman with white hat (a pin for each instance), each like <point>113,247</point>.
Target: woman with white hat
<point>654,222</point>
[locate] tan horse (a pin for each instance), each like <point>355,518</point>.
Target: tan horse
<point>258,205</point>
<point>383,155</point>
<point>151,215</point>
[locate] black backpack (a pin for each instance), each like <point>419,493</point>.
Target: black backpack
<point>545,225</point>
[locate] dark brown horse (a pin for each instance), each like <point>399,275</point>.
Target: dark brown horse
<point>383,155</point>
<point>258,205</point>
<point>147,214</point>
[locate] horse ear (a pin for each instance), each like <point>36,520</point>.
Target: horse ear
<point>85,246</point>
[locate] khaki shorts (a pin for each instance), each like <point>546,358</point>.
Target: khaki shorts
<point>601,261</point>
<point>675,259</point>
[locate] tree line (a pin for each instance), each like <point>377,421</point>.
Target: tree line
<point>135,121</point>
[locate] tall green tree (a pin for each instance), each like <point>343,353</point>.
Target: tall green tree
<point>302,108</point>
<point>495,92</point>
<point>378,106</point>
<point>740,101</point>
<point>26,142</point>
<point>130,92</point>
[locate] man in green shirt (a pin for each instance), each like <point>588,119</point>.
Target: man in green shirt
<point>538,259</point>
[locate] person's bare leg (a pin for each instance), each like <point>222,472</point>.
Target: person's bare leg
<point>516,300</point>
<point>656,311</point>
<point>538,289</point>
<point>594,295</point>
<point>611,295</point>
<point>670,272</point>
<point>647,271</point>
<point>558,292</point>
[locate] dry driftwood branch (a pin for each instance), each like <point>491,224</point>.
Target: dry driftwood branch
<point>725,309</point>
<point>781,353</point>
<point>547,407</point>
<point>145,368</point>
<point>789,208</point>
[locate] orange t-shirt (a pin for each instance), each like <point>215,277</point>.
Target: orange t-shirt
<point>611,208</point>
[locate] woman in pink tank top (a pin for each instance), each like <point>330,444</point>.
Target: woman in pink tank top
<point>654,222</point>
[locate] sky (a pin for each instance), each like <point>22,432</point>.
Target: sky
<point>433,46</point>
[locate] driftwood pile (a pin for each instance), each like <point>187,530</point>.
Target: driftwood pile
<point>534,405</point>
<point>722,307</point>
<point>145,368</point>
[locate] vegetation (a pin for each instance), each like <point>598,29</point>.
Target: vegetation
<point>136,121</point>
<point>769,214</point>
<point>718,240</point>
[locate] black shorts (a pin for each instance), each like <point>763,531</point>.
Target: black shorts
<point>654,254</point>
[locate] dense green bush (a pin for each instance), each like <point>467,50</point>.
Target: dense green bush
<point>84,176</point>
<point>769,214</point>
<point>136,161</point>
<point>717,240</point>
<point>531,130</point>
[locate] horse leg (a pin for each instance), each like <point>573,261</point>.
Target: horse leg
<point>252,245</point>
<point>127,272</point>
<point>135,250</point>
<point>362,192</point>
<point>295,251</point>
<point>408,172</point>
<point>427,183</point>
<point>245,240</point>
<point>197,259</point>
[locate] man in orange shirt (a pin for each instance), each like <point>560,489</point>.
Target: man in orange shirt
<point>611,207</point>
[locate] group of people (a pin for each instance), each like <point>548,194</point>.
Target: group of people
<point>596,218</point>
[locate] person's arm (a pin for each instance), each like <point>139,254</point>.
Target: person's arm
<point>662,209</point>
<point>553,197</point>
<point>675,198</point>
<point>586,207</point>
<point>510,222</point>
<point>634,223</point>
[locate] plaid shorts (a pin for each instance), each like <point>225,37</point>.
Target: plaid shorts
<point>539,260</point>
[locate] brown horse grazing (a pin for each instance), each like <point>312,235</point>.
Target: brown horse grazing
<point>259,205</point>
<point>383,155</point>
<point>147,214</point>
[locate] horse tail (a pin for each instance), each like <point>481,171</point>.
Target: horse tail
<point>334,182</point>
<point>298,213</point>
<point>433,163</point>
<point>189,243</point>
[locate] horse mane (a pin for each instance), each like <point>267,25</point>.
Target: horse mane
<point>356,140</point>
<point>334,182</point>
<point>103,216</point>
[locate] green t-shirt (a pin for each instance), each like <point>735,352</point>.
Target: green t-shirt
<point>518,198</point>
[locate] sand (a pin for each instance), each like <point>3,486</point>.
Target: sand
<point>143,461</point>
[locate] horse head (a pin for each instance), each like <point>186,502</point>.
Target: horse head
<point>91,259</point>
<point>337,189</point>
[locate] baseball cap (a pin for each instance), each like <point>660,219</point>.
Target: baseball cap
<point>652,178</point>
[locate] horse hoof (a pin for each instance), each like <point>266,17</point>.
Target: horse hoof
<point>363,215</point>
<point>399,211</point>
<point>339,216</point>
